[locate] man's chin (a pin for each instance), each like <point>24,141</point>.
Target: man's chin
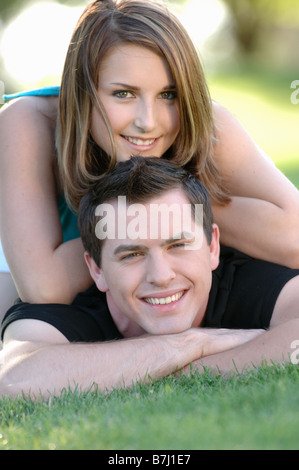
<point>167,329</point>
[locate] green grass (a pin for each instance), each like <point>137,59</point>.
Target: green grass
<point>260,98</point>
<point>253,410</point>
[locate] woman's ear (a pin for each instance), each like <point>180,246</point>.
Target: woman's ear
<point>215,247</point>
<point>96,273</point>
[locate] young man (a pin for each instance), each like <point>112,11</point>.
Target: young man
<point>163,298</point>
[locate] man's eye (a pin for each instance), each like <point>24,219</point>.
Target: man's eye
<point>182,244</point>
<point>179,245</point>
<point>130,256</point>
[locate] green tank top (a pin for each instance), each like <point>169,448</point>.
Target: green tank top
<point>68,220</point>
<point>67,217</point>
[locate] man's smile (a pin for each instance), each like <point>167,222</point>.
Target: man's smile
<point>164,300</point>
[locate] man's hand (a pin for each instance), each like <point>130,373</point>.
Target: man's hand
<point>49,367</point>
<point>217,340</point>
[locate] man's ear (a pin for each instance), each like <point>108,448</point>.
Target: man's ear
<point>96,273</point>
<point>215,247</point>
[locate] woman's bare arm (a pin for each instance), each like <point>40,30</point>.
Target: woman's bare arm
<point>44,269</point>
<point>262,219</point>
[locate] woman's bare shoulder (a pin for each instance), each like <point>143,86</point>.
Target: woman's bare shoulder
<point>33,121</point>
<point>233,142</point>
<point>223,118</point>
<point>43,110</point>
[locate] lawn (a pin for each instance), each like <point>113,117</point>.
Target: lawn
<point>254,410</point>
<point>260,98</point>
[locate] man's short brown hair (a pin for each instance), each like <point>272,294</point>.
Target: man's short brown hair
<point>139,179</point>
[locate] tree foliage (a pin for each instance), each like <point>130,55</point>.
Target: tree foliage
<point>250,16</point>
<point>10,8</point>
<point>253,16</point>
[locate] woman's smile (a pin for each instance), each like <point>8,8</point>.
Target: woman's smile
<point>141,107</point>
<point>141,144</point>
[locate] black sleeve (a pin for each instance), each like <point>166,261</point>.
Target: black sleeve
<point>244,291</point>
<point>87,319</point>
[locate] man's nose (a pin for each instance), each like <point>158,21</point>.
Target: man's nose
<point>159,271</point>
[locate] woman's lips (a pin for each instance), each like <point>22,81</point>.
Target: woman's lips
<point>139,143</point>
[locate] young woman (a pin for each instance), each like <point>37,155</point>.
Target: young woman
<point>132,85</point>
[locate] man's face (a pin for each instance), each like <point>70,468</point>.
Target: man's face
<point>157,284</point>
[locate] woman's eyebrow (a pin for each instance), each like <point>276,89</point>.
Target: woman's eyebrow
<point>132,87</point>
<point>125,85</point>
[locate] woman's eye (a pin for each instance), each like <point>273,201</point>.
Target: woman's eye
<point>169,95</point>
<point>123,94</point>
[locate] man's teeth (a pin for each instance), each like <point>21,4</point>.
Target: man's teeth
<point>164,300</point>
<point>140,141</point>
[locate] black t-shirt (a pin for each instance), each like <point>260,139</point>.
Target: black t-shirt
<point>243,295</point>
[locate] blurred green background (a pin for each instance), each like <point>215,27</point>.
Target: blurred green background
<point>249,49</point>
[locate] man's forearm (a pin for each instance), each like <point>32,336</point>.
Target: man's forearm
<point>274,346</point>
<point>47,369</point>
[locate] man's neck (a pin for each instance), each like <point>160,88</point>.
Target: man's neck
<point>125,326</point>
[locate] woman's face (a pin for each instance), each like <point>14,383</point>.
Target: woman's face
<point>138,93</point>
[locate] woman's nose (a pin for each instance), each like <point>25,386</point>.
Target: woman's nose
<point>145,119</point>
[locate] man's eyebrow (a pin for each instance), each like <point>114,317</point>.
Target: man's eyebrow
<point>125,248</point>
<point>185,235</point>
